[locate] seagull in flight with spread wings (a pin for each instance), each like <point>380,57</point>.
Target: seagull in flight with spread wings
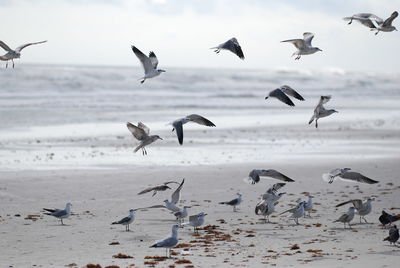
<point>303,46</point>
<point>374,22</point>
<point>255,174</point>
<point>149,64</point>
<point>158,188</point>
<point>282,92</point>
<point>141,132</point>
<point>195,118</point>
<point>320,110</point>
<point>346,174</point>
<point>14,54</point>
<point>231,45</point>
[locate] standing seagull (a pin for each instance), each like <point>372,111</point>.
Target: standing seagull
<point>178,124</point>
<point>297,212</point>
<point>196,221</point>
<point>182,214</point>
<point>234,202</point>
<point>303,46</point>
<point>347,217</point>
<point>280,94</point>
<point>157,188</point>
<point>127,220</point>
<point>320,111</point>
<point>60,213</point>
<point>149,64</point>
<point>266,208</point>
<point>393,235</point>
<point>141,132</point>
<point>231,45</point>
<point>254,175</point>
<point>363,209</point>
<point>345,174</point>
<point>308,205</point>
<point>14,54</point>
<point>169,242</point>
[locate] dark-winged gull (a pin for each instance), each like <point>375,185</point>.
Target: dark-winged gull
<point>346,174</point>
<point>303,46</point>
<point>320,111</point>
<point>363,209</point>
<point>60,213</point>
<point>255,174</point>
<point>195,118</point>
<point>347,217</point>
<point>141,132</point>
<point>234,202</point>
<point>297,212</point>
<point>271,194</point>
<point>386,218</point>
<point>168,242</point>
<point>149,64</point>
<point>196,221</point>
<point>158,188</point>
<point>127,220</point>
<point>265,208</point>
<point>374,22</point>
<point>393,235</point>
<point>231,45</point>
<point>282,92</point>
<point>14,54</point>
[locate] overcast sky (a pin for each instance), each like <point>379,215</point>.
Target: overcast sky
<point>181,32</point>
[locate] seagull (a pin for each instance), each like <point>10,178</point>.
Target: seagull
<point>195,221</point>
<point>393,235</point>
<point>158,188</point>
<point>347,217</point>
<point>177,124</point>
<point>374,22</point>
<point>149,64</point>
<point>127,220</point>
<point>266,208</point>
<point>386,218</point>
<point>363,209</point>
<point>255,174</point>
<point>345,174</point>
<point>271,194</point>
<point>60,213</point>
<point>234,202</point>
<point>309,205</point>
<point>141,132</point>
<point>297,212</point>
<point>14,54</point>
<point>169,242</point>
<point>386,26</point>
<point>231,45</point>
<point>320,111</point>
<point>280,94</point>
<point>303,46</point>
<point>182,214</point>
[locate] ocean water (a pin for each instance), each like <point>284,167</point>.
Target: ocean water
<point>72,111</point>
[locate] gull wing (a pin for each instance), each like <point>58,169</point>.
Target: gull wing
<point>126,219</point>
<point>51,209</point>
<point>233,46</point>
<point>193,218</point>
<point>355,176</point>
<point>153,59</point>
<point>356,202</point>
<point>146,62</point>
<point>18,49</point>
<point>179,130</point>
<point>275,187</point>
<point>298,43</point>
<point>200,120</point>
<point>324,99</point>
<point>169,182</point>
<point>388,21</point>
<point>291,92</point>
<point>149,189</point>
<point>272,173</point>
<point>292,210</point>
<point>308,37</point>
<point>59,213</point>
<point>5,47</point>
<point>137,132</point>
<point>144,127</point>
<point>176,195</point>
<point>277,93</point>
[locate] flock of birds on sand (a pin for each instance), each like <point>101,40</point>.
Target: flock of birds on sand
<point>268,201</point>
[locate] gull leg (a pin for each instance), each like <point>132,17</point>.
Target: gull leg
<point>350,22</point>
<point>12,62</point>
<point>62,222</point>
<point>142,81</point>
<point>364,219</point>
<point>349,225</point>
<point>6,64</point>
<point>316,123</point>
<point>377,32</point>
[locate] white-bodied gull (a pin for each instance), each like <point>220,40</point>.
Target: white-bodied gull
<point>60,213</point>
<point>297,212</point>
<point>14,54</point>
<point>345,174</point>
<point>141,132</point>
<point>196,221</point>
<point>347,217</point>
<point>374,22</point>
<point>234,202</point>
<point>303,46</point>
<point>255,174</point>
<point>195,118</point>
<point>320,110</point>
<point>127,220</point>
<point>149,64</point>
<point>157,188</point>
<point>362,209</point>
<point>168,242</point>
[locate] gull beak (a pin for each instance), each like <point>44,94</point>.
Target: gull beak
<point>160,138</point>
<point>266,97</point>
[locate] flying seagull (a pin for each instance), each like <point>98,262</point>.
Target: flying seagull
<point>141,132</point>
<point>303,46</point>
<point>231,45</point>
<point>386,218</point>
<point>387,26</point>
<point>195,118</point>
<point>255,174</point>
<point>347,217</point>
<point>345,174</point>
<point>320,111</point>
<point>393,235</point>
<point>282,92</point>
<point>60,213</point>
<point>374,22</point>
<point>196,221</point>
<point>168,242</point>
<point>271,194</point>
<point>149,64</point>
<point>127,220</point>
<point>158,188</point>
<point>297,212</point>
<point>14,54</point>
<point>362,209</point>
<point>234,202</point>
